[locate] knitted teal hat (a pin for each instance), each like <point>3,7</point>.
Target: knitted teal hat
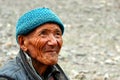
<point>34,18</point>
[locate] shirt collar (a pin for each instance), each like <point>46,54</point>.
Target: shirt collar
<point>51,71</point>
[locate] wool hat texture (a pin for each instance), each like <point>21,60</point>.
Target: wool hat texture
<point>34,18</point>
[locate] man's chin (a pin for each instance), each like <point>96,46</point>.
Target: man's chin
<point>48,61</point>
<point>52,62</point>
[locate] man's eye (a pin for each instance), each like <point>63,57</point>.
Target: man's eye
<point>58,34</point>
<point>43,33</point>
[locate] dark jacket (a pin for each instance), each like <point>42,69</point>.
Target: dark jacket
<point>21,68</point>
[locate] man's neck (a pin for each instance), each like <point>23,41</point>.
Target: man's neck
<point>39,67</point>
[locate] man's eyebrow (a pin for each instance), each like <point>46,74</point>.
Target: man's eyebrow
<point>43,30</point>
<point>59,30</point>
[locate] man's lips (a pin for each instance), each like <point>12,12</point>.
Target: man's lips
<point>52,51</point>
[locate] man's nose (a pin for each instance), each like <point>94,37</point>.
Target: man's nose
<point>52,40</point>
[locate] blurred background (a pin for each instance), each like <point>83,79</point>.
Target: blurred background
<point>91,49</point>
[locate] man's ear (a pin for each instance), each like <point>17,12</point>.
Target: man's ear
<point>21,42</point>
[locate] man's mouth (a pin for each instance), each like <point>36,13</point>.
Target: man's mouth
<point>51,51</point>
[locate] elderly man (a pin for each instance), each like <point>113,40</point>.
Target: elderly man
<point>39,35</point>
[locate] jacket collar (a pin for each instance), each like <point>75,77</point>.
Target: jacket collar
<point>31,72</point>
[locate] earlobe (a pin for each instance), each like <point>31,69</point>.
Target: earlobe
<point>21,42</point>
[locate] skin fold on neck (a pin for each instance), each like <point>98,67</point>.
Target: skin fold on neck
<point>39,67</point>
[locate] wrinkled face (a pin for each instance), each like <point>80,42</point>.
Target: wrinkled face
<point>44,43</point>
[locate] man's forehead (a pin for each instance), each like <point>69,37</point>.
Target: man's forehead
<point>49,26</point>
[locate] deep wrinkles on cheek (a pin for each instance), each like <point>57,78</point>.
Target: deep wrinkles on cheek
<point>38,46</point>
<point>60,42</point>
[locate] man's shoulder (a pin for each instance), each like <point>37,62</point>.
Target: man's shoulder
<point>14,69</point>
<point>11,68</point>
